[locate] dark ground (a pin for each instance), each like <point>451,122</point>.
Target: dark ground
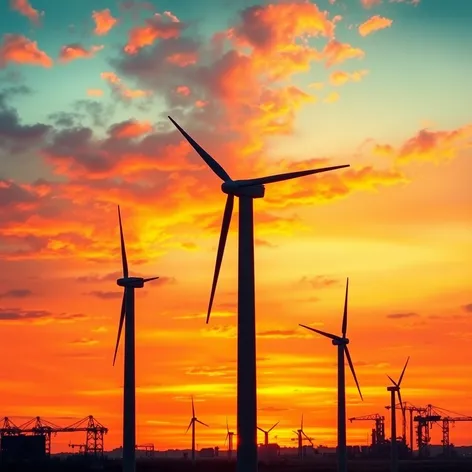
<point>221,465</point>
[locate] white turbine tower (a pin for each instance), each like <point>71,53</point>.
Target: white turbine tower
<point>246,191</point>
<point>127,317</point>
<point>341,342</point>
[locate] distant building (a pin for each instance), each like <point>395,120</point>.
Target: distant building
<point>269,451</point>
<point>22,448</point>
<point>207,452</point>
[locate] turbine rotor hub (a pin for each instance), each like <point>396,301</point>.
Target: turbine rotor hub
<point>131,282</point>
<point>340,341</point>
<point>232,187</point>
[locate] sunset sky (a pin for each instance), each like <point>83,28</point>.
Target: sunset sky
<point>265,87</point>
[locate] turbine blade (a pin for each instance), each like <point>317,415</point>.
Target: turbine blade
<point>401,403</point>
<point>309,439</point>
<point>150,278</point>
<point>301,424</point>
<point>120,326</point>
<point>123,248</point>
<point>345,309</point>
<point>273,426</point>
<point>201,422</point>
<point>403,371</point>
<point>260,429</point>
<point>193,408</point>
<point>351,365</point>
<point>226,440</point>
<point>212,164</point>
<point>221,249</point>
<point>287,176</point>
<point>190,424</point>
<point>295,432</point>
<point>323,333</point>
<point>393,381</point>
<point>227,426</point>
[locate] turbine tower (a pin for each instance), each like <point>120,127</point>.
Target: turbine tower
<point>343,351</point>
<point>229,438</point>
<point>129,395</point>
<point>266,433</point>
<point>301,436</point>
<point>393,441</point>
<point>192,424</point>
<point>246,191</point>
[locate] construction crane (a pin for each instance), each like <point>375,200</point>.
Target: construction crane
<point>447,418</point>
<point>378,432</point>
<point>425,421</point>
<point>80,446</point>
<point>94,432</point>
<point>411,409</point>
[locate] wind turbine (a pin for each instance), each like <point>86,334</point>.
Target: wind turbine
<point>129,395</point>
<point>266,433</point>
<point>246,191</point>
<point>393,444</point>
<point>192,424</point>
<point>300,433</point>
<point>341,342</point>
<point>229,438</point>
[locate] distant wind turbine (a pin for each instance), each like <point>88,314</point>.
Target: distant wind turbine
<point>229,438</point>
<point>192,424</point>
<point>246,190</point>
<point>393,444</point>
<point>341,342</point>
<point>266,433</point>
<point>127,317</point>
<point>301,436</point>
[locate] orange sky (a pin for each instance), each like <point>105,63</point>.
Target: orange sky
<point>397,223</point>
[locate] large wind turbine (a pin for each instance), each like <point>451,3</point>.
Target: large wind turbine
<point>246,191</point>
<point>393,444</point>
<point>266,433</point>
<point>127,317</point>
<point>192,424</point>
<point>341,342</point>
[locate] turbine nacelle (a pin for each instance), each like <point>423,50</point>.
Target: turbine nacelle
<point>238,189</point>
<point>131,282</point>
<point>340,341</point>
<point>393,388</point>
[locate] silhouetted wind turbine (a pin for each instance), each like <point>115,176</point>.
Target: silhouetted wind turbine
<point>246,190</point>
<point>341,342</point>
<point>127,317</point>
<point>229,438</point>
<point>266,433</point>
<point>192,424</point>
<point>393,424</point>
<point>300,433</point>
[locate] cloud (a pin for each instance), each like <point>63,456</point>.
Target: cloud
<point>319,281</point>
<point>39,316</point>
<point>120,89</point>
<point>94,92</point>
<point>375,23</point>
<point>467,308</point>
<point>104,21</point>
<point>23,7</point>
<point>399,316</point>
<point>104,295</point>
<point>220,371</point>
<point>367,4</point>
<point>21,50</point>
<point>163,26</point>
<point>340,78</point>
<point>130,129</point>
<point>272,408</point>
<point>336,52</point>
<point>219,331</point>
<point>77,51</point>
<point>17,293</point>
<point>84,342</point>
<point>332,97</point>
<point>281,334</point>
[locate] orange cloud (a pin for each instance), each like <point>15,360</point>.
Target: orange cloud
<point>367,4</point>
<point>332,97</point>
<point>183,59</point>
<point>163,26</point>
<point>336,52</point>
<point>95,92</point>
<point>130,129</point>
<point>340,77</point>
<point>374,23</point>
<point>104,21</point>
<point>76,51</point>
<point>24,8</point>
<point>183,90</point>
<point>19,49</point>
<point>121,89</point>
